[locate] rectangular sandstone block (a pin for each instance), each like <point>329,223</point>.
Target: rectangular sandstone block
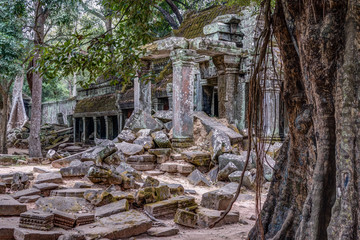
<point>10,207</point>
<point>167,208</point>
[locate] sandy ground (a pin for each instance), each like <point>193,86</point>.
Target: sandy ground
<point>245,205</point>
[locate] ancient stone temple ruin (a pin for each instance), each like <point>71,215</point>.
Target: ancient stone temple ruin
<point>203,68</point>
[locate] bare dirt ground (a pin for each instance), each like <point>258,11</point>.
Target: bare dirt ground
<point>245,205</point>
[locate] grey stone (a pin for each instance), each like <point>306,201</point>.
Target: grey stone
<point>163,231</point>
<point>39,170</point>
<point>154,173</point>
<point>76,169</point>
<point>212,175</point>
<point>104,142</point>
<point>152,194</point>
<point>126,136</point>
<point>220,143</point>
<point>269,165</point>
<point>168,125</point>
<point>224,173</point>
<point>46,186</point>
<point>69,192</point>
<point>197,158</point>
<point>29,199</point>
<point>219,199</point>
<point>248,180</point>
<point>102,175</point>
<point>26,192</point>
<point>186,218</point>
<point>112,208</point>
<point>238,160</point>
<point>160,151</point>
<point>142,120</point>
<point>185,168</point>
<point>146,142</point>
<point>208,216</point>
<point>130,149</point>
<point>143,133</point>
<point>7,160</point>
<point>31,234</point>
<point>2,188</point>
<point>161,139</point>
<point>170,167</point>
<point>164,115</point>
<point>197,178</point>
<point>65,204</point>
<point>52,155</point>
<point>19,181</point>
<point>151,182</point>
<point>115,158</point>
<point>176,189</point>
<point>10,207</point>
<point>82,185</point>
<point>53,177</point>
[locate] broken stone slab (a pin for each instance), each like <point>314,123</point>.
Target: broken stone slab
<point>127,169</point>
<point>7,226</point>
<point>104,142</point>
<point>197,178</point>
<point>168,126</point>
<point>39,170</point>
<point>102,175</point>
<point>206,217</point>
<point>160,151</point>
<point>143,133</point>
<point>219,144</point>
<point>26,192</point>
<point>46,186</point>
<point>146,142</point>
<point>2,188</point>
<point>30,234</point>
<point>224,173</point>
<point>164,115</point>
<point>65,162</point>
<point>10,207</point>
<point>176,189</point>
<point>213,124</point>
<point>237,160</point>
<point>29,199</point>
<point>219,199</point>
<point>167,208</point>
<point>63,219</point>
<point>117,226</point>
<point>154,173</point>
<point>151,182</point>
<point>138,159</point>
<point>213,173</point>
<point>69,192</point>
<point>53,177</point>
<point>269,165</point>
<point>36,219</point>
<point>82,185</point>
<point>197,158</point>
<point>248,180</point>
<point>7,160</point>
<point>152,194</point>
<point>185,168</point>
<point>65,204</point>
<point>170,167</point>
<point>142,120</point>
<point>20,181</point>
<point>163,231</point>
<point>101,198</point>
<point>186,218</point>
<point>112,208</point>
<point>52,155</point>
<point>115,158</point>
<point>126,136</point>
<point>161,139</point>
<point>76,169</point>
<point>130,149</point>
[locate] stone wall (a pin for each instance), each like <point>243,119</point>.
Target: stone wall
<point>50,110</point>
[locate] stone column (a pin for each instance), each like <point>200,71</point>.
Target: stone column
<point>142,90</point>
<point>169,91</point>
<point>228,73</point>
<point>95,127</point>
<point>271,111</point>
<point>183,97</point>
<point>83,136</point>
<point>74,128</point>
<point>199,93</point>
<point>107,127</point>
<point>241,104</point>
<point>120,121</point>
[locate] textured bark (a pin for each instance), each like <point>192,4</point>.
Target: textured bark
<point>4,108</point>
<point>315,190</point>
<point>17,113</point>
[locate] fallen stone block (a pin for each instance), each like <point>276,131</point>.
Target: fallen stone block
<point>46,188</point>
<point>208,216</point>
<point>49,178</point>
<point>102,175</point>
<point>118,226</point>
<point>7,227</point>
<point>160,151</point>
<point>163,231</point>
<point>69,192</point>
<point>212,174</point>
<point>248,180</point>
<point>82,185</point>
<point>161,139</point>
<point>224,173</point>
<point>7,160</point>
<point>151,182</point>
<point>237,160</point>
<point>146,142</point>
<point>26,192</point>
<point>167,208</point>
<point>65,162</point>
<point>176,189</point>
<point>65,204</point>
<point>154,173</point>
<point>115,158</point>
<point>185,218</point>
<point>35,219</point>
<point>143,166</point>
<point>130,149</point>
<point>197,158</point>
<point>219,144</point>
<point>19,181</point>
<point>143,133</point>
<point>76,169</point>
<point>126,136</point>
<point>2,188</point>
<point>152,194</point>
<point>170,167</point>
<point>39,170</point>
<point>164,115</point>
<point>185,168</point>
<point>10,207</point>
<point>84,218</point>
<point>112,208</point>
<point>219,199</point>
<point>138,159</point>
<point>29,199</point>
<point>197,178</point>
<point>63,219</point>
<point>29,234</point>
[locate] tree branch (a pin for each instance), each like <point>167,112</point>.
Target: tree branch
<point>92,11</point>
<point>175,9</point>
<point>168,17</point>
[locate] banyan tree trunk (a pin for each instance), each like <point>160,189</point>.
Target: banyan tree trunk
<point>315,190</point>
<point>17,113</point>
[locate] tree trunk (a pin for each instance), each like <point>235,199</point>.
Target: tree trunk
<point>17,113</point>
<point>4,108</point>
<point>315,190</point>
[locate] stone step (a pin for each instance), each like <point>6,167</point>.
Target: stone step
<point>10,207</point>
<point>112,208</point>
<point>197,158</point>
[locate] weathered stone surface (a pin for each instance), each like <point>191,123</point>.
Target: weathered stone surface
<point>2,188</point>
<point>143,166</point>
<point>30,234</point>
<point>29,199</point>
<point>7,226</point>
<point>37,219</point>
<point>127,169</point>
<point>154,173</point>
<point>197,178</point>
<point>65,162</point>
<point>269,165</point>
<point>118,226</point>
<point>146,142</point>
<point>26,192</point>
<point>138,159</point>
<point>39,170</point>
<point>160,151</point>
<point>130,149</point>
<point>167,208</point>
<point>52,155</point>
<point>82,185</point>
<point>164,115</point>
<point>63,219</point>
<point>208,216</point>
<point>170,167</point>
<point>176,189</point>
<point>224,173</point>
<point>143,133</point>
<point>46,186</point>
<point>212,175</point>
<point>104,142</point>
<point>197,158</point>
<point>168,126</point>
<point>102,175</point>
<point>142,120</point>
<point>10,207</point>
<point>161,139</point>
<point>126,136</point>
<point>69,192</point>
<point>185,168</point>
<point>238,160</point>
<point>112,208</point>
<point>151,182</point>
<point>115,158</point>
<point>163,231</point>
<point>220,143</point>
<point>76,169</point>
<point>185,218</point>
<point>152,194</point>
<point>53,177</point>
<point>65,204</point>
<point>7,160</point>
<point>248,180</point>
<point>100,198</point>
<point>219,199</point>
<point>19,181</point>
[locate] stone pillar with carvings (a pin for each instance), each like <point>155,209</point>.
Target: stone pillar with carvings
<point>228,74</point>
<point>142,90</point>
<point>272,111</point>
<point>83,136</point>
<point>107,127</point>
<point>183,97</point>
<point>95,127</point>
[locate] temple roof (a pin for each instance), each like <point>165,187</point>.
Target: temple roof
<point>98,104</point>
<point>194,22</point>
